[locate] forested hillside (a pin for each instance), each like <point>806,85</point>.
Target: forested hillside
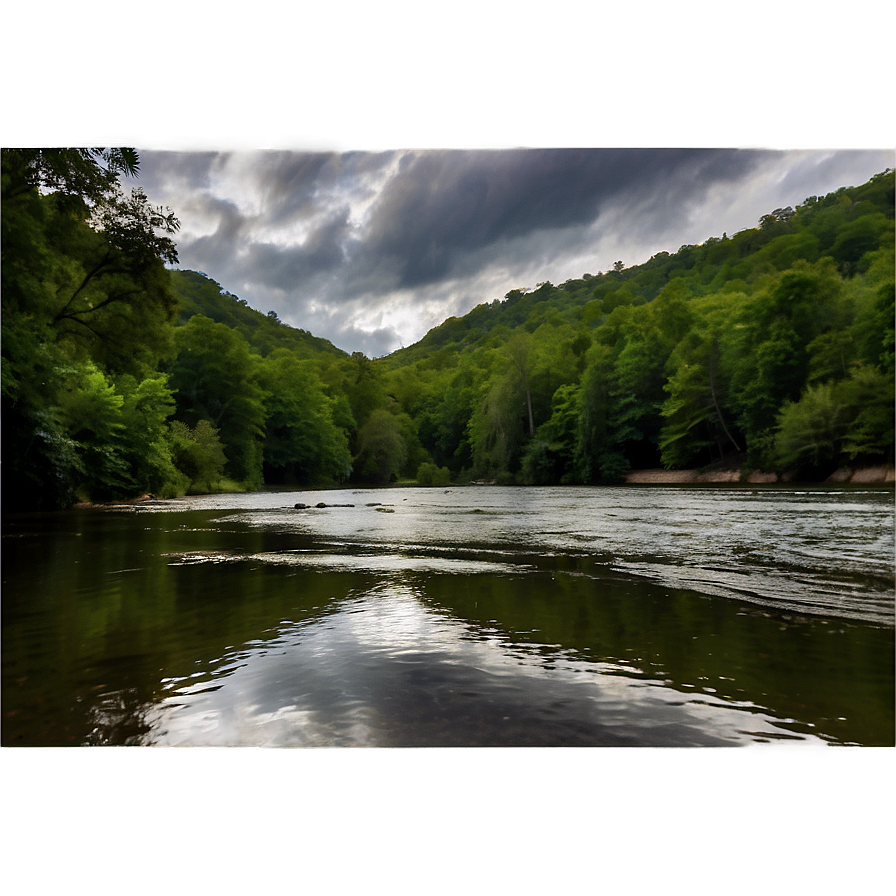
<point>775,344</point>
<point>122,375</point>
<point>197,293</point>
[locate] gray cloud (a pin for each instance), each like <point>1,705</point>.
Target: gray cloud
<point>444,206</point>
<point>172,172</point>
<point>227,229</point>
<point>372,249</point>
<point>286,267</point>
<point>288,182</point>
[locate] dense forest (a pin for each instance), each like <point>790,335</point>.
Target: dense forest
<point>121,375</point>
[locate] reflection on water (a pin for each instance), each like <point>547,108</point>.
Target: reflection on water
<point>810,550</point>
<point>631,617</point>
<point>384,670</point>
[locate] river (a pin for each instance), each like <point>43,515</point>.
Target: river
<point>481,616</point>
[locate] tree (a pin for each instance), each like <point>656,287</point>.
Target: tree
<point>496,430</point>
<point>89,262</point>
<point>302,440</point>
<point>199,456</point>
<point>550,456</point>
<point>428,474</point>
<point>90,410</point>
<point>834,423</point>
<point>214,376</point>
<point>88,174</point>
<point>519,351</point>
<point>363,386</point>
<point>769,346</point>
<point>381,449</point>
<point>599,454</point>
<point>647,336</point>
<point>145,438</point>
<point>85,298</point>
<point>696,413</point>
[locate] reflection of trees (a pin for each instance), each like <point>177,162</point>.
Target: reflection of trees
<point>113,619</point>
<point>812,670</point>
<point>118,718</point>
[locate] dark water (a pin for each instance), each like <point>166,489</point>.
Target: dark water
<point>637,616</point>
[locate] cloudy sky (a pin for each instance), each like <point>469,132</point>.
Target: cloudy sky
<point>372,249</point>
<point>344,232</point>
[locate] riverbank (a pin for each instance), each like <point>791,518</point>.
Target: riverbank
<point>879,475</point>
<point>727,475</point>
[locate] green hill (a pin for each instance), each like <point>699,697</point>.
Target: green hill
<point>199,294</point>
<point>776,343</point>
<point>846,226</point>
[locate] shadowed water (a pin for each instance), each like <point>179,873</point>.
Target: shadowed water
<point>458,617</point>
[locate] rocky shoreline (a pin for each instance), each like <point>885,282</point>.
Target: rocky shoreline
<point>880,475</point>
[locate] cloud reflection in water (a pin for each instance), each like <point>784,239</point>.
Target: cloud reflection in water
<point>383,669</point>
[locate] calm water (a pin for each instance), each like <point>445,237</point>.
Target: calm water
<point>639,616</point>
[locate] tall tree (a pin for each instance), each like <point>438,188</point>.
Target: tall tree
<point>381,448</point>
<point>84,296</point>
<point>214,376</point>
<point>302,441</point>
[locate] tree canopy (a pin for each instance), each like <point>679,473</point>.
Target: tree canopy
<point>772,348</point>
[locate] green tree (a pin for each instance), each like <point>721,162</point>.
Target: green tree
<point>696,411</point>
<point>834,423</point>
<point>519,351</point>
<point>868,394</point>
<point>363,385</point>
<point>599,454</point>
<point>646,338</point>
<point>428,474</point>
<point>497,426</point>
<point>302,440</point>
<point>770,347</point>
<point>550,456</point>
<point>146,407</point>
<point>91,411</point>
<point>198,455</point>
<point>214,377</point>
<point>381,448</point>
<point>87,173</point>
<point>84,297</point>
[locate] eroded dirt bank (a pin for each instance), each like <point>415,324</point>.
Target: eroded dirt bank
<point>855,476</point>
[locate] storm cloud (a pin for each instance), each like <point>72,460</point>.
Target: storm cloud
<point>370,250</point>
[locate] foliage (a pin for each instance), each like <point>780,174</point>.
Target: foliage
<point>121,376</point>
<point>214,377</point>
<point>381,448</point>
<point>85,299</point>
<point>146,436</point>
<point>198,455</point>
<point>89,173</point>
<point>428,474</point>
<point>303,442</point>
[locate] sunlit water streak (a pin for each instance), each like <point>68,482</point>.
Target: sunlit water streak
<point>383,670</point>
<point>814,551</point>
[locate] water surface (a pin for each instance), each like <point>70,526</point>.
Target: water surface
<point>638,616</point>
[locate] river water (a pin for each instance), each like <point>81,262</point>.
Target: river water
<point>482,616</point>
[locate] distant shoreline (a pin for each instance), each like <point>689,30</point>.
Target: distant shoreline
<point>879,475</point>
